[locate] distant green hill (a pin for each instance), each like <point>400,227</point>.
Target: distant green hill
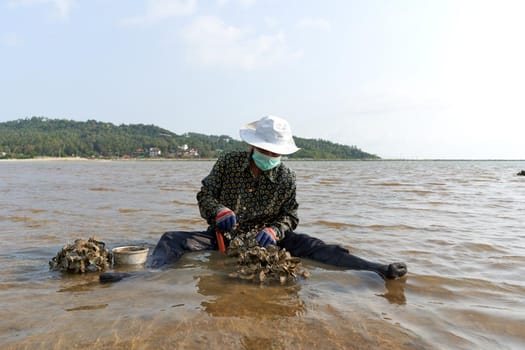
<point>38,136</point>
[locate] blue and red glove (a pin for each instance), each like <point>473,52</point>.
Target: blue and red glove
<point>225,220</point>
<point>266,237</point>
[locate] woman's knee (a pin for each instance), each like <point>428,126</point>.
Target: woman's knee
<point>301,245</point>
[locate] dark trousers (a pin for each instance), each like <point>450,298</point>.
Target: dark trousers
<point>172,245</point>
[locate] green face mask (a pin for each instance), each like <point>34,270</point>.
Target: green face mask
<point>265,162</point>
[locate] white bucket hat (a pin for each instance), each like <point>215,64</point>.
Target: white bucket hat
<point>270,133</point>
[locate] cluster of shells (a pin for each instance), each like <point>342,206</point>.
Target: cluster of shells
<point>260,264</point>
<point>82,256</point>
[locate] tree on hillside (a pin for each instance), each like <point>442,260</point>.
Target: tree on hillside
<point>39,136</point>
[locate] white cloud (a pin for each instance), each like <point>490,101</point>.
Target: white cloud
<point>483,69</point>
<point>159,10</point>
<point>11,40</point>
<point>271,22</point>
<point>247,3</point>
<point>209,41</point>
<point>244,3</point>
<point>63,7</point>
<point>319,24</point>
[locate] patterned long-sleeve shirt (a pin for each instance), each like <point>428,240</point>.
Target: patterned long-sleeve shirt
<point>264,201</point>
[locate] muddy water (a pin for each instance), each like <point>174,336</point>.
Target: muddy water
<point>458,225</point>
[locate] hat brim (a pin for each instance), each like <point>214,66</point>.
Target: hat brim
<point>249,136</point>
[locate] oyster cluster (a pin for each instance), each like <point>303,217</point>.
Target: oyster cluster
<point>82,256</point>
<point>260,264</point>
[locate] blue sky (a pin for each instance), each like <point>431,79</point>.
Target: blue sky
<point>399,78</point>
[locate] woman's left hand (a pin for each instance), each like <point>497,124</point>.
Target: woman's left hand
<point>266,236</point>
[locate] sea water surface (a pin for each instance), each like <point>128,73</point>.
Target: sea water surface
<point>459,225</point>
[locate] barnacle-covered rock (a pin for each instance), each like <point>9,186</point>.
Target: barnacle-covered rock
<point>82,256</point>
<point>263,264</point>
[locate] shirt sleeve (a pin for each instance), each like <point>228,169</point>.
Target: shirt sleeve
<point>288,219</point>
<point>210,191</point>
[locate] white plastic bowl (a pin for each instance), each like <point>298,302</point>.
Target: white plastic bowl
<point>129,255</point>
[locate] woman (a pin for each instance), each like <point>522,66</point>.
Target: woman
<point>253,191</point>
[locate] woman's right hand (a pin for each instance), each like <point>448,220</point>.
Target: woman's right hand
<point>225,220</point>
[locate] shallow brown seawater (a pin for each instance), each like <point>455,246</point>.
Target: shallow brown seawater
<point>458,225</point>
